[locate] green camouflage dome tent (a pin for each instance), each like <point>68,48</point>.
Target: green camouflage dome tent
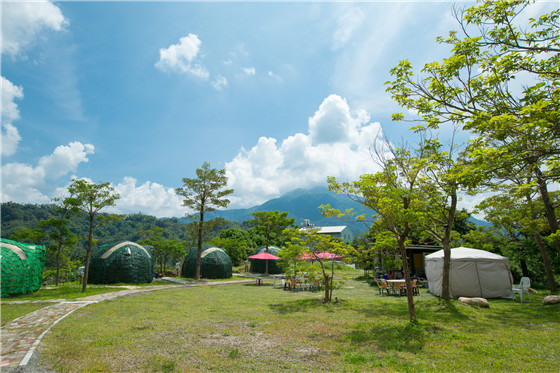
<point>214,263</point>
<point>126,262</point>
<point>259,265</point>
<point>22,267</point>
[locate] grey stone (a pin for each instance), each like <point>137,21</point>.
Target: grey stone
<point>479,302</point>
<point>551,299</point>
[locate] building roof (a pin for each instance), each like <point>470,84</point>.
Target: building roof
<point>333,229</point>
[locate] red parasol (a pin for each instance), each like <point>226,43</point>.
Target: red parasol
<point>264,255</point>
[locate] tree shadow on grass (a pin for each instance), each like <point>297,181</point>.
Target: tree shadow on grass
<point>300,305</point>
<point>401,336</point>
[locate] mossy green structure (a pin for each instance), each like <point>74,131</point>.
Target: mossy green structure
<point>22,267</point>
<point>214,263</point>
<point>126,262</point>
<point>259,265</point>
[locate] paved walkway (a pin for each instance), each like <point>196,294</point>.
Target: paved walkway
<point>21,336</point>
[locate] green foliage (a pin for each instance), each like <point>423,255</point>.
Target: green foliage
<point>309,243</point>
<point>165,249</point>
<point>271,224</point>
<point>204,194</point>
<point>91,198</point>
<point>514,129</point>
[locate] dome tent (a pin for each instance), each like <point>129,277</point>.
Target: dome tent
<point>214,263</point>
<point>472,273</point>
<point>22,267</point>
<point>259,265</point>
<point>126,262</point>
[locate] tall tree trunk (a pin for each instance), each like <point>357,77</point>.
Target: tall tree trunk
<point>549,274</point>
<point>542,248</point>
<point>58,250</point>
<point>524,269</point>
<point>88,254</point>
<point>409,296</point>
<point>327,289</point>
<point>266,261</point>
<point>199,251</point>
<point>548,205</point>
<point>446,249</point>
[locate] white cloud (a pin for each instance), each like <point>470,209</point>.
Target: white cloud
<point>270,169</point>
<point>25,183</point>
<point>249,71</point>
<point>332,122</point>
<point>183,58</point>
<point>23,21</point>
<point>219,83</point>
<point>65,159</point>
<point>347,24</point>
<point>274,76</point>
<point>149,198</point>
<point>10,113</point>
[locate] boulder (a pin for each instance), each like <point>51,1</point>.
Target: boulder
<point>479,302</point>
<point>551,299</point>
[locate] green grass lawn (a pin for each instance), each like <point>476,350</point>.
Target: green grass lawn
<point>12,310</point>
<point>245,327</point>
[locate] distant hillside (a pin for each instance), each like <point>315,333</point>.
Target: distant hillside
<point>304,204</point>
<point>301,204</point>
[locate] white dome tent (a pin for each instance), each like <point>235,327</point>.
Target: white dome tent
<point>472,273</point>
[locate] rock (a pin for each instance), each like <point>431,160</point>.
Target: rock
<point>551,299</point>
<point>479,302</point>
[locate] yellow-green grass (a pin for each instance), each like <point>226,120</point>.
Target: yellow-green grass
<point>12,307</point>
<point>10,312</point>
<point>244,327</point>
<point>73,290</point>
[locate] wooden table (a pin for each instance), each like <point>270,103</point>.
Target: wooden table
<point>396,285</point>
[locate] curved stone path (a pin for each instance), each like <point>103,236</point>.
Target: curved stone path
<point>21,336</point>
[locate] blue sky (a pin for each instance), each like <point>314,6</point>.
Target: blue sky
<point>140,94</point>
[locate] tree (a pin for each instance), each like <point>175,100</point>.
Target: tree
<point>204,194</point>
<point>165,249</point>
<point>236,242</point>
<point>310,242</point>
<point>475,88</point>
<point>271,224</point>
<point>91,198</point>
<point>59,231</point>
<point>441,180</point>
<point>28,235</point>
<point>394,196</point>
<point>516,213</point>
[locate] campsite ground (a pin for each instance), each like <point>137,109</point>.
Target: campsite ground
<point>257,328</point>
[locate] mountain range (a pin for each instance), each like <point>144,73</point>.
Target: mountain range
<point>302,204</point>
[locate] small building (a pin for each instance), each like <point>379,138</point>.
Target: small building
<point>22,267</point>
<point>214,263</point>
<point>339,231</point>
<point>126,262</point>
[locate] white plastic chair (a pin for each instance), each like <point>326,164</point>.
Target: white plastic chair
<point>523,287</point>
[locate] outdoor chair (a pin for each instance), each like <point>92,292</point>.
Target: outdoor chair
<point>385,286</point>
<point>316,285</point>
<point>379,287</point>
<point>414,287</point>
<point>523,287</point>
<point>295,284</point>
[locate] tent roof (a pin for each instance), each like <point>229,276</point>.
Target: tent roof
<point>466,253</point>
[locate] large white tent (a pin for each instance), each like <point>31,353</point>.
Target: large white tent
<point>472,273</point>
